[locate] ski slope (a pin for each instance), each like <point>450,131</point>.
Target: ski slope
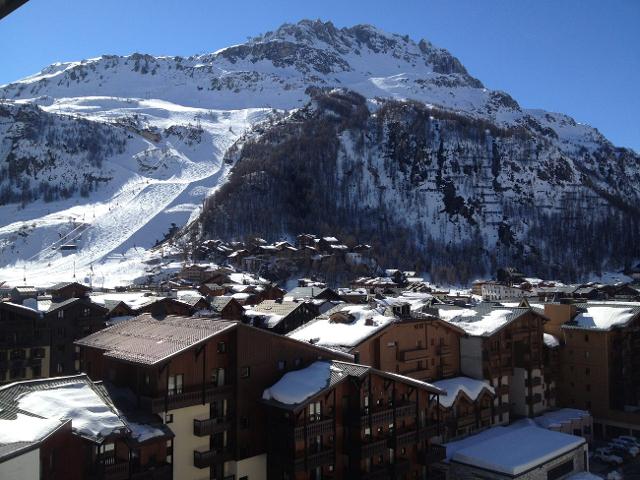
<point>153,186</point>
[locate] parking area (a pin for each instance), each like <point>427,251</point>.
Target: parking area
<point>630,469</point>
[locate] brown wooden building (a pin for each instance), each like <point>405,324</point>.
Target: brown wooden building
<point>205,377</point>
<point>599,362</point>
<point>354,422</point>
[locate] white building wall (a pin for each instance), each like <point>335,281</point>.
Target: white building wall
<point>185,442</point>
<point>23,467</point>
<point>254,468</point>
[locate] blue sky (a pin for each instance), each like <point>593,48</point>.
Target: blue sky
<point>580,57</point>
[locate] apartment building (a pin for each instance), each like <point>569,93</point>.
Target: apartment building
<point>205,379</point>
<point>25,351</point>
<point>341,420</point>
<point>503,345</point>
<point>409,343</point>
<point>599,362</point>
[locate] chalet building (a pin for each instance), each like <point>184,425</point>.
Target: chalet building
<point>227,308</point>
<point>19,294</point>
<point>600,366</point>
<point>66,290</point>
<point>212,289</point>
<point>306,240</point>
<point>197,273</point>
<point>418,346</point>
<point>312,292</point>
<point>69,427</point>
<point>163,306</point>
<point>25,350</point>
<point>466,408</point>
<point>346,421</point>
<point>205,378</point>
<point>118,308</point>
<point>68,321</point>
<point>495,291</point>
<point>505,347</point>
<point>281,316</point>
<point>510,276</point>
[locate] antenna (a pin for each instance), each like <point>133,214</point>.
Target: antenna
<point>74,269</point>
<point>24,274</point>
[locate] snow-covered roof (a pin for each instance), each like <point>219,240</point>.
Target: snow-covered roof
<point>322,331</point>
<point>93,415</point>
<point>295,387</point>
<point>481,320</point>
<point>604,316</point>
<point>494,449</point>
<point>556,418</point>
<point>550,341</point>
<point>453,386</point>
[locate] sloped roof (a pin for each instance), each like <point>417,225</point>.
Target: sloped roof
<point>482,320</point>
<point>296,387</point>
<point>61,285</point>
<point>147,340</point>
<point>604,315</point>
<point>283,308</point>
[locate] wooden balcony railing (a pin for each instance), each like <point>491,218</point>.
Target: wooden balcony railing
<point>376,447</point>
<point>187,398</point>
<point>314,429</point>
<point>434,454</point>
<point>207,458</point>
<point>209,426</point>
<point>315,460</point>
<point>116,471</point>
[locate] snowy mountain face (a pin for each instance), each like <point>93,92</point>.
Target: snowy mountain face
<point>107,153</point>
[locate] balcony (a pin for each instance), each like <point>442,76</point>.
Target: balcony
<point>187,398</point>
<point>314,429</point>
<point>374,448</point>
<point>533,382</point>
<point>444,350</point>
<point>428,432</point>
<point>413,354</point>
<point>408,410</point>
<point>209,426</point>
<point>402,439</point>
<point>434,454</point>
<point>465,421</point>
<point>537,398</point>
<point>502,390</point>
<point>116,471</point>
<point>156,472</point>
<point>205,458</point>
<point>315,460</point>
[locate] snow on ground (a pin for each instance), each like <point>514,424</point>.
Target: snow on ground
<point>604,317</point>
<point>136,208</point>
<point>25,428</point>
<point>91,416</point>
<point>295,387</point>
<point>453,386</point>
<point>323,332</point>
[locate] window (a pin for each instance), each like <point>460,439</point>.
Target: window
<point>175,384</point>
<point>86,312</point>
<point>59,368</point>
<point>297,362</point>
<point>367,433</point>
<point>587,371</point>
<point>561,470</point>
<point>244,423</point>
<point>222,347</point>
<point>37,370</point>
<point>315,412</point>
<point>586,354</point>
<point>586,337</point>
<point>60,314</point>
<point>147,379</point>
<point>245,372</point>
<point>282,364</point>
<point>168,418</point>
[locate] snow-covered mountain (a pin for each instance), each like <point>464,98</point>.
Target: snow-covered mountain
<point>151,137</point>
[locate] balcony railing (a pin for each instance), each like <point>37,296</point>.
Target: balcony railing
<point>209,426</point>
<point>402,439</point>
<point>314,429</point>
<point>534,382</point>
<point>434,454</point>
<point>406,410</point>
<point>315,460</point>
<point>187,398</point>
<point>207,458</point>
<point>116,471</point>
<point>374,448</point>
